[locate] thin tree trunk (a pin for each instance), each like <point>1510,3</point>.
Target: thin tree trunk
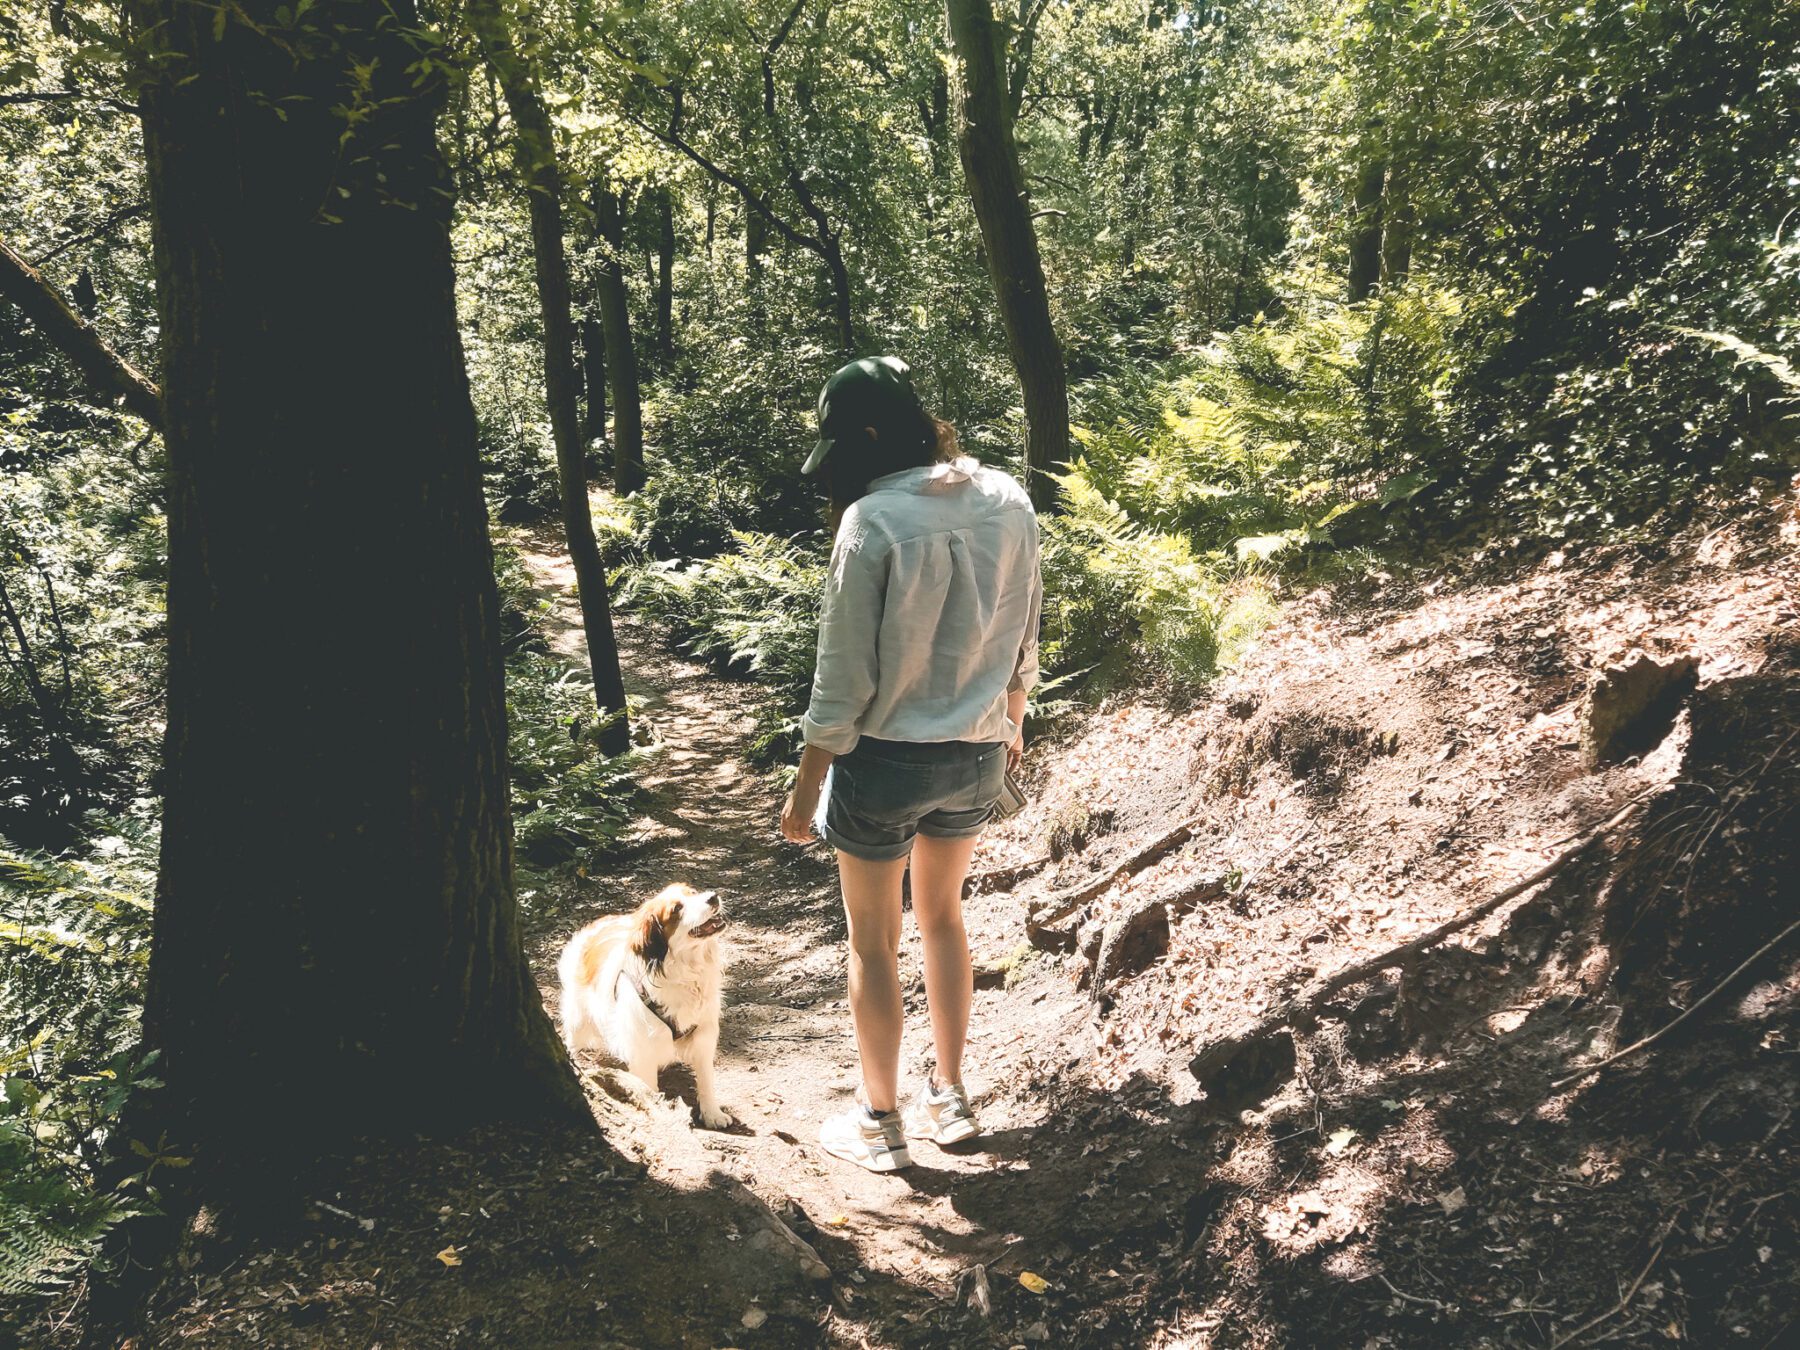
<point>621,356</point>
<point>109,374</point>
<point>665,277</point>
<point>535,149</point>
<point>336,949</point>
<point>1247,243</point>
<point>1396,227</point>
<point>996,186</point>
<point>756,248</point>
<point>27,665</point>
<point>593,355</point>
<point>842,315</point>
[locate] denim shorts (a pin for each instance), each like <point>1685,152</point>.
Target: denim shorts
<point>884,792</point>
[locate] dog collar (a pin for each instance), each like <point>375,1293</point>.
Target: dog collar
<point>649,1001</point>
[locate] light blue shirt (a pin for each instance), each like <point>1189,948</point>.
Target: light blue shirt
<point>931,610</point>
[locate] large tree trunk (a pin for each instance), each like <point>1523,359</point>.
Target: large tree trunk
<point>621,356</point>
<point>336,947</point>
<point>535,147</point>
<point>997,187</point>
<point>1365,230</point>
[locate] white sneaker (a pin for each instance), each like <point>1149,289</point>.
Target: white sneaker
<point>868,1140</point>
<point>942,1115</point>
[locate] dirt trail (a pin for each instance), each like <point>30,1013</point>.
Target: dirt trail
<point>1408,1177</point>
<point>786,1058</point>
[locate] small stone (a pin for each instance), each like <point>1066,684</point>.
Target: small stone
<point>754,1318</point>
<point>1037,1331</point>
<point>972,1290</point>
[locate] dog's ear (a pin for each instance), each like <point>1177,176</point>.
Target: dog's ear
<point>649,936</point>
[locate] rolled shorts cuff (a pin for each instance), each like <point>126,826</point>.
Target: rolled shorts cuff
<point>948,825</point>
<point>884,851</point>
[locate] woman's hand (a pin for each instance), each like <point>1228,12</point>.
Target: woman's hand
<point>797,814</point>
<point>1015,713</point>
<point>802,803</point>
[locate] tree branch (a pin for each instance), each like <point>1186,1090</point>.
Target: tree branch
<point>111,376</point>
<point>796,182</point>
<point>1030,11</point>
<point>119,217</point>
<point>66,96</point>
<point>751,197</point>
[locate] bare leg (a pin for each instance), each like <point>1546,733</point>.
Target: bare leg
<point>872,907</point>
<point>939,868</point>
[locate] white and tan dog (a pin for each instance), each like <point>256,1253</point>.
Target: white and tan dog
<point>644,988</point>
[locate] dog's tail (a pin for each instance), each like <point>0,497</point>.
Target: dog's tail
<point>569,964</point>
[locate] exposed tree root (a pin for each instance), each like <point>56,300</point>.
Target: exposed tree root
<point>1001,878</point>
<point>1042,920</point>
<point>1246,1066</point>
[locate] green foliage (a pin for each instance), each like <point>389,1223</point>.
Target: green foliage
<point>570,800</point>
<point>1120,594</point>
<point>728,435</point>
<point>50,1227</point>
<point>74,945</point>
<point>754,611</point>
<point>81,570</point>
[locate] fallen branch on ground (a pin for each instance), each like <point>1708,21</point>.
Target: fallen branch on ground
<point>802,1252</point>
<point>1219,1059</point>
<point>1695,1007</point>
<point>1625,1298</point>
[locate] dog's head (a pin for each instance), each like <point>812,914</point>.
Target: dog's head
<point>673,917</point>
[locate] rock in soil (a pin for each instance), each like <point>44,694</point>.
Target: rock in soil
<point>1630,706</point>
<point>1132,941</point>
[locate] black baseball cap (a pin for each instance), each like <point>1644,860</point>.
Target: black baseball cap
<point>876,391</point>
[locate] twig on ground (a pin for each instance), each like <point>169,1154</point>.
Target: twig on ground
<point>1412,1298</point>
<point>1624,1299</point>
<point>1693,1008</point>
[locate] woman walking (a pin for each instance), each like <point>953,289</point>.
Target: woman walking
<point>927,647</point>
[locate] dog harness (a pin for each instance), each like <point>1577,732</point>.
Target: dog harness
<point>648,999</point>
